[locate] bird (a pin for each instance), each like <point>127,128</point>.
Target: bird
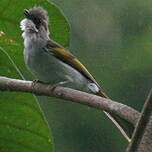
<point>51,63</point>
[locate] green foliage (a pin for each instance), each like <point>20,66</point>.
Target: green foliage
<point>22,124</point>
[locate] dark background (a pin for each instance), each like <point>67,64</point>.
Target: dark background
<point>113,38</point>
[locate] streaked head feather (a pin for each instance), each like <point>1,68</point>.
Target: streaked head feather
<point>37,13</point>
<point>36,18</point>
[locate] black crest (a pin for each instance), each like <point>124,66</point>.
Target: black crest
<point>38,15</point>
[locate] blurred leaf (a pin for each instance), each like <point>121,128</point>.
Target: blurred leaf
<point>22,124</point>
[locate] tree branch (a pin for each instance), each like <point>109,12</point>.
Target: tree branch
<point>142,137</point>
<point>123,111</point>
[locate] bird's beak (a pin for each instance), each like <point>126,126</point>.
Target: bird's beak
<point>26,13</point>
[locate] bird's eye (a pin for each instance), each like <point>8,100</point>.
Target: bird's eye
<point>38,21</point>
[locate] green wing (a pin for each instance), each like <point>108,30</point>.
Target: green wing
<point>68,58</point>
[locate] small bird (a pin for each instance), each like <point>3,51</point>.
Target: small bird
<point>52,63</point>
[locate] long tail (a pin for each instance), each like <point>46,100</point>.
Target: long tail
<point>123,125</point>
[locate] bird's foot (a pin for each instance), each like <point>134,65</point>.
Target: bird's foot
<point>34,82</point>
<point>53,87</point>
<point>62,83</point>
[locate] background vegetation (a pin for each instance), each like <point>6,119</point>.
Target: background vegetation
<point>113,39</point>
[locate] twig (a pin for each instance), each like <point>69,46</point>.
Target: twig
<point>142,137</point>
<point>123,111</point>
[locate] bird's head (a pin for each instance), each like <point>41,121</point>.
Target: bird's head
<point>35,21</point>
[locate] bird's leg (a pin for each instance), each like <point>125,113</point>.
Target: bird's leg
<point>68,80</point>
<point>36,81</point>
<point>62,83</point>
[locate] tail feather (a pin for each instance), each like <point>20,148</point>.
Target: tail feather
<point>123,125</point>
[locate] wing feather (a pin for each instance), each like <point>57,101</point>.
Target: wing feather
<point>68,58</point>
